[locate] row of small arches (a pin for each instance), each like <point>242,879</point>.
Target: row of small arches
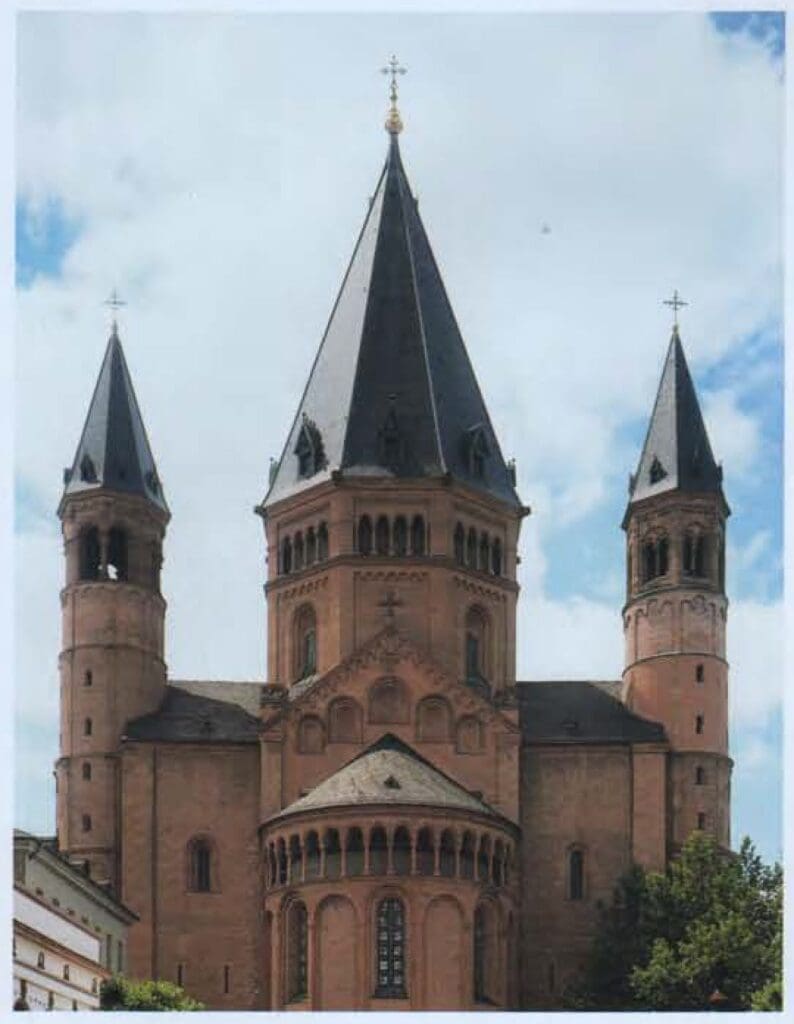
<point>388,705</point>
<point>655,557</point>
<point>312,856</point>
<point>304,550</point>
<point>397,537</point>
<point>477,551</point>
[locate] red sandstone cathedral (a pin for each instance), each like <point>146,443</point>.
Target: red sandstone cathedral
<point>392,820</point>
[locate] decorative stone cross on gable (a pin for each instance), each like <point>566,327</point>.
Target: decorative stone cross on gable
<point>389,603</point>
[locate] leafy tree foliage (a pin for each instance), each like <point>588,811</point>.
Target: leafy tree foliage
<point>712,923</point>
<point>118,993</point>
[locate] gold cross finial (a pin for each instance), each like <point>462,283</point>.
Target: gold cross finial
<point>115,304</point>
<point>394,124</point>
<point>676,302</point>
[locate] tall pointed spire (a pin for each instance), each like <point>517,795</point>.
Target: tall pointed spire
<point>114,451</point>
<point>392,390</point>
<point>677,454</point>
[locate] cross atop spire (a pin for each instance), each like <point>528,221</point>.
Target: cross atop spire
<point>115,304</point>
<point>394,124</point>
<point>676,302</point>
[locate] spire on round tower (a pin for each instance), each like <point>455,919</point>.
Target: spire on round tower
<point>393,123</point>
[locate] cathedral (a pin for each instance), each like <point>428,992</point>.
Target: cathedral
<point>392,821</point>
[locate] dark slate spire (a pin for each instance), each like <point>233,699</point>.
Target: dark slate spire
<point>392,391</point>
<point>114,452</point>
<point>676,454</point>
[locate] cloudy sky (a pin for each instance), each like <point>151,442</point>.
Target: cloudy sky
<point>215,169</point>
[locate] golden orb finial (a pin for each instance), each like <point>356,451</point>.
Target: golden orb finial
<point>394,124</point>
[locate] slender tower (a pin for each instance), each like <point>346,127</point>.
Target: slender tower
<point>113,515</point>
<point>675,614</point>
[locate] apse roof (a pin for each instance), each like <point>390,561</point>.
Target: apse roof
<point>392,390</point>
<point>114,451</point>
<point>676,454</point>
<point>576,711</point>
<point>389,772</point>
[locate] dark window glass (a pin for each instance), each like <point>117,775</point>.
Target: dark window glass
<point>200,866</point>
<point>311,546</point>
<point>459,542</point>
<point>89,554</point>
<point>117,554</point>
<point>86,823</point>
<point>286,555</point>
<point>701,820</point>
<point>322,542</point>
<point>496,558</point>
<point>365,536</point>
<point>382,536</point>
<point>699,676</point>
<point>390,949</point>
<point>472,657</point>
<point>400,536</point>
<point>297,952</point>
<point>576,874</point>
<point>479,955</point>
<point>700,776</point>
<point>662,557</point>
<point>418,536</point>
<point>88,679</point>
<point>485,551</point>
<point>88,727</point>
<point>86,771</point>
<point>297,552</point>
<point>699,724</point>
<point>471,549</point>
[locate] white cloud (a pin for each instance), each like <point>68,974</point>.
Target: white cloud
<point>220,179</point>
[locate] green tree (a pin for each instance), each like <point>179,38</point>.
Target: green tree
<point>712,922</point>
<point>118,993</point>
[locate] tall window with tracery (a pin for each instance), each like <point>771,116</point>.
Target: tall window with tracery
<point>390,951</point>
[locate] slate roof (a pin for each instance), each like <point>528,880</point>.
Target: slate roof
<point>392,390</point>
<point>580,712</point>
<point>389,772</point>
<point>676,440</point>
<point>184,717</point>
<point>245,695</point>
<point>114,450</point>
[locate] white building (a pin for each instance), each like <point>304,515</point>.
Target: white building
<point>69,934</point>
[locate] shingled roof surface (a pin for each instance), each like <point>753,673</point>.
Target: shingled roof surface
<point>244,695</point>
<point>185,718</point>
<point>392,391</point>
<point>389,772</point>
<point>581,712</point>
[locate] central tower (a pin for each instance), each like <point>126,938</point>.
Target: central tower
<point>391,502</point>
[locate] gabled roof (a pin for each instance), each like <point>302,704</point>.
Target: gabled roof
<point>676,454</point>
<point>114,452</point>
<point>389,772</point>
<point>392,390</point>
<point>581,712</point>
<point>245,695</point>
<point>185,718</point>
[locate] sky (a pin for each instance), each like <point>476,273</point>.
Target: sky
<point>571,170</point>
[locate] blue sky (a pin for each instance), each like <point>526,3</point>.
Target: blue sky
<point>210,213</point>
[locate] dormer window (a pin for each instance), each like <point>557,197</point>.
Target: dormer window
<point>657,471</point>
<point>477,451</point>
<point>87,469</point>
<point>309,449</point>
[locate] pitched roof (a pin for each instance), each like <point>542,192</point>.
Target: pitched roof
<point>245,695</point>
<point>676,454</point>
<point>389,772</point>
<point>580,712</point>
<point>114,450</point>
<point>185,718</point>
<point>392,390</point>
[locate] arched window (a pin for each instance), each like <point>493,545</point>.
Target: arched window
<point>365,536</point>
<point>200,867</point>
<point>661,556</point>
<point>89,554</point>
<point>333,854</point>
<point>425,852</point>
<point>700,557</point>
<point>648,561</point>
<point>281,860</point>
<point>354,852</point>
<point>66,972</point>
<point>86,823</point>
<point>498,862</point>
<point>459,544</point>
<point>311,546</point>
<point>40,961</point>
<point>297,946</point>
<point>479,955</point>
<point>400,536</point>
<point>117,554</point>
<point>484,859</point>
<point>312,855</point>
<point>576,874</point>
<point>485,552</point>
<point>401,851</point>
<point>496,558</point>
<point>382,537</point>
<point>88,678</point>
<point>700,775</point>
<point>87,771</point>
<point>446,858</point>
<point>388,702</point>
<point>286,555</point>
<point>298,551</point>
<point>378,851</point>
<point>295,859</point>
<point>344,721</point>
<point>468,735</point>
<point>433,719</point>
<point>311,735</point>
<point>390,952</point>
<point>476,646</point>
<point>322,542</point>
<point>471,548</point>
<point>88,727</point>
<point>467,856</point>
<point>305,639</point>
<point>418,536</point>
